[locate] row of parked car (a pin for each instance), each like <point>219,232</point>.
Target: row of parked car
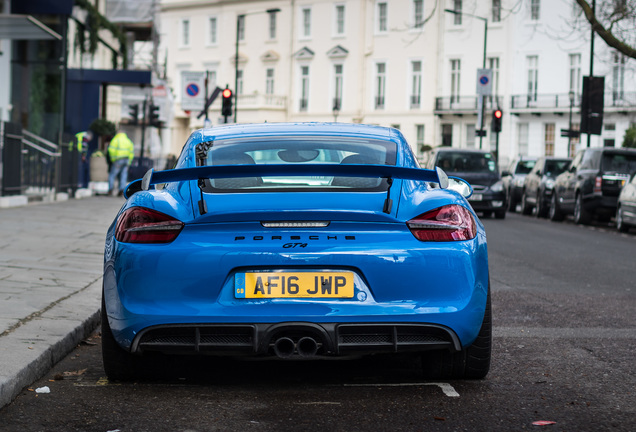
<point>598,183</point>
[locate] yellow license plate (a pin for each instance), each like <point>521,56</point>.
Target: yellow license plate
<point>293,285</point>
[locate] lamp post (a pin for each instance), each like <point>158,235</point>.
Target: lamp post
<point>571,96</point>
<point>240,19</point>
<point>481,97</point>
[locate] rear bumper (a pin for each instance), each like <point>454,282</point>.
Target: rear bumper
<point>330,339</point>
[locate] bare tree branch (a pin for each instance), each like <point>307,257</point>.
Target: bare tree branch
<point>605,34</point>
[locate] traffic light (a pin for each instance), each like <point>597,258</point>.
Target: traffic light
<point>134,113</point>
<point>226,107</point>
<point>153,118</point>
<point>497,115</point>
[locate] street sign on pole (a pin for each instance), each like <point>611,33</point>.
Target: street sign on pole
<point>484,82</point>
<point>192,90</point>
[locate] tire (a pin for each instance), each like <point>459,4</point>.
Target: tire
<point>556,215</point>
<point>472,362</point>
<point>581,216</point>
<point>512,202</point>
<point>542,208</point>
<point>487,214</point>
<point>526,209</point>
<point>119,364</point>
<point>620,223</point>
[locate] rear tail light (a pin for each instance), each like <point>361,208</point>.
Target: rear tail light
<point>598,185</point>
<point>142,225</point>
<point>448,223</point>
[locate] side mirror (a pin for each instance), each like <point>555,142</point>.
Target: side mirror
<point>460,185</point>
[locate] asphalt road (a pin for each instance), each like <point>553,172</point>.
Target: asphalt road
<point>564,304</point>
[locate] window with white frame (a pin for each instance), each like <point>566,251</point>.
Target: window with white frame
<point>493,65</point>
<point>306,22</point>
<point>272,25</point>
<point>380,85</point>
<point>416,83</point>
<point>269,81</point>
<point>522,138</point>
<point>533,77</point>
<point>185,32</point>
<point>239,82</point>
<point>549,139</point>
<point>340,20</point>
<point>457,16</point>
<point>535,9</point>
<point>337,83</point>
<point>419,136</point>
<point>382,18</point>
<point>418,14</point>
<point>212,30</point>
<point>618,76</point>
<point>575,73</point>
<point>470,135</point>
<point>496,11</point>
<point>240,33</point>
<point>456,69</point>
<point>304,88</point>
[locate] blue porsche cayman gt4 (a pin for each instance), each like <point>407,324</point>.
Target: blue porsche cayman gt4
<point>297,241</point>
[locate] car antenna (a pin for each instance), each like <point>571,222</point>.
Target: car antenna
<point>388,202</point>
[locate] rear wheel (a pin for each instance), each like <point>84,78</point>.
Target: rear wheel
<point>581,215</point>
<point>526,208</point>
<point>620,223</point>
<point>556,214</point>
<point>119,364</point>
<point>542,208</point>
<point>512,202</point>
<point>472,362</point>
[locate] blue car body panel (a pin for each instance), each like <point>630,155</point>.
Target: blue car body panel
<point>397,278</point>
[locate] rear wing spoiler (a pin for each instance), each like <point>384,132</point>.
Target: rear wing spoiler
<point>297,170</point>
<point>389,172</point>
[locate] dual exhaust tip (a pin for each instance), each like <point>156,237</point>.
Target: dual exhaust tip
<point>285,347</point>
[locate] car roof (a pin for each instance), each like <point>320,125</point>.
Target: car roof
<point>459,150</point>
<point>291,129</point>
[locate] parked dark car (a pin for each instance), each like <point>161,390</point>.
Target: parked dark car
<point>539,184</point>
<point>513,177</point>
<point>479,168</point>
<point>591,185</point>
<point>626,210</point>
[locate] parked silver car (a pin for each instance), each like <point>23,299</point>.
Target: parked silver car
<point>626,209</point>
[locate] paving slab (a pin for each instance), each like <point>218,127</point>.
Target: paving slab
<point>51,257</point>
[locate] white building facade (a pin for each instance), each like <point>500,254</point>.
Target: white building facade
<point>410,64</point>
<point>539,51</point>
<point>355,61</point>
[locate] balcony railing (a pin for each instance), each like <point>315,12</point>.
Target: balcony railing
<point>262,101</point>
<point>466,103</point>
<point>612,99</point>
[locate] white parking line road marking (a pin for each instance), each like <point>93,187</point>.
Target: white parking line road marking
<point>565,332</point>
<point>446,388</point>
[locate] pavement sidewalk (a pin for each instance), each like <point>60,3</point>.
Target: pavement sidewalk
<point>51,258</point>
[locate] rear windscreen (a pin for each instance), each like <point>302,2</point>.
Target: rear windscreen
<point>466,162</point>
<point>555,167</point>
<point>618,163</point>
<point>524,167</point>
<point>298,151</point>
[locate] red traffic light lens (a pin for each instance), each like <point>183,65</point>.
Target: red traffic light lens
<point>498,114</point>
<point>227,93</point>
